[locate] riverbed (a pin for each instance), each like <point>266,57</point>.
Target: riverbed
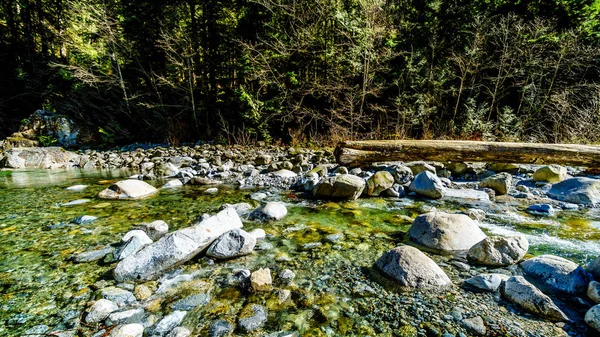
<point>335,291</point>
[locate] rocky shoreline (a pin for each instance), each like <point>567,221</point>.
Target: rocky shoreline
<point>458,281</point>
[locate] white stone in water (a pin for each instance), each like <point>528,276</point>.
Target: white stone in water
<point>76,188</point>
<point>173,183</point>
<point>258,234</point>
<point>76,202</point>
<point>128,189</point>
<point>180,331</point>
<point>128,330</point>
<point>100,310</point>
<point>84,219</point>
<point>176,248</point>
<point>212,190</point>
<point>168,323</point>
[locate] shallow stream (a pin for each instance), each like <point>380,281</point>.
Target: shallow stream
<point>40,285</point>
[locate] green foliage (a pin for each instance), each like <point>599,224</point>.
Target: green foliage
<point>242,71</point>
<point>47,140</point>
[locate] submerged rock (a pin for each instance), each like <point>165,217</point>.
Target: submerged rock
<point>180,331</point>
<point>578,190</point>
<point>220,328</point>
<point>499,250</point>
<point>93,255</point>
<point>252,318</point>
<point>261,280</point>
<point>176,248</point>
<point>155,229</point>
<point>128,330</point>
<point>411,268</point>
<point>168,323</point>
<point>100,310</point>
<point>526,295</point>
<point>428,184</point>
<point>232,244</point>
<point>128,189</point>
<point>445,233</point>
<point>557,274</point>
<point>343,186</point>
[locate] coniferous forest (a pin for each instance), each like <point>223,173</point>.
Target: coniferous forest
<point>305,71</point>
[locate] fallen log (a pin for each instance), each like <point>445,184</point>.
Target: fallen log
<point>356,153</point>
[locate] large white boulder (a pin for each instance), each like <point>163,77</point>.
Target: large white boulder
<point>128,189</point>
<point>176,248</point>
<point>445,233</point>
<point>557,274</point>
<point>499,250</point>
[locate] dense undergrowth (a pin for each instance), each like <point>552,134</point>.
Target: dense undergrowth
<point>305,72</point>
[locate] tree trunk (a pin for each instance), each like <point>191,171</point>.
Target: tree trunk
<point>355,153</point>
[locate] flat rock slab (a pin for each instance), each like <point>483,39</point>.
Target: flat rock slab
<point>176,248</point>
<point>128,189</point>
<point>39,157</point>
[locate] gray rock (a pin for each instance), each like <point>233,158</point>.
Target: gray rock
<point>411,268</point>
<point>166,170</point>
<point>220,328</point>
<point>343,186</point>
<point>418,166</point>
<point>100,310</point>
<point>550,174</point>
<point>476,214</point>
<point>592,317</point>
<point>39,157</point>
<point>526,295</point>
<point>136,315</point>
<point>212,190</point>
<point>173,183</point>
<point>593,291</point>
<point>155,229</point>
<point>253,318</point>
<point>379,182</point>
<point>465,195</point>
<point>487,282</point>
<point>37,330</point>
<point>428,184</point>
<point>285,174</point>
<point>475,325</point>
<point>283,334</point>
<point>541,209</point>
<point>457,168</point>
<point>445,233</point>
<point>499,250</point>
<point>84,219</point>
<point>500,183</point>
<point>402,174</point>
<point>93,255</point>
<point>578,190</point>
<point>168,323</point>
<point>180,331</point>
<point>286,276</point>
<point>176,248</point>
<point>333,238</point>
<point>557,274</point>
<point>232,244</point>
<point>128,189</point>
<point>120,297</point>
<point>273,210</point>
<point>136,240</point>
<point>263,245</point>
<point>594,268</point>
<point>127,330</point>
<point>191,302</point>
